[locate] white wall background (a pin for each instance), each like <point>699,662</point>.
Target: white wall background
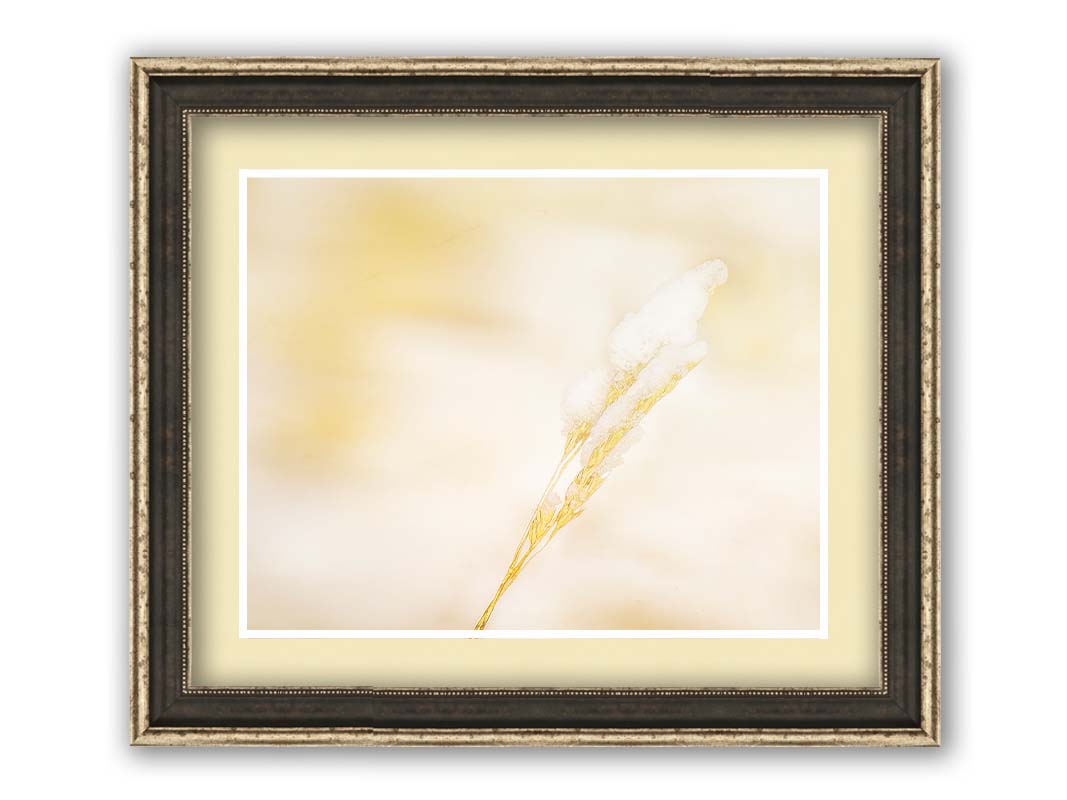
<point>63,396</point>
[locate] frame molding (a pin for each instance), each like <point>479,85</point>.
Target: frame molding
<point>905,93</point>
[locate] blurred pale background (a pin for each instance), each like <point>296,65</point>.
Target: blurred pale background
<point>408,344</point>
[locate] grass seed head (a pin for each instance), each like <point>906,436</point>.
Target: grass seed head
<point>649,352</point>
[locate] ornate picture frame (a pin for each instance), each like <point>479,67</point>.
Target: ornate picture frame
<point>166,708</point>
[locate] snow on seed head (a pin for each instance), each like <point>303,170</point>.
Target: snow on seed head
<point>551,502</point>
<point>669,317</point>
<point>585,398</point>
<point>614,458</point>
<point>671,362</point>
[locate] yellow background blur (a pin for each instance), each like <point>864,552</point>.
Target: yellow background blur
<point>408,344</point>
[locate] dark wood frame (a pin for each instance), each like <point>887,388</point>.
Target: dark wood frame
<point>166,710</point>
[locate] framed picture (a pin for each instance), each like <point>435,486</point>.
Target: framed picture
<point>535,401</point>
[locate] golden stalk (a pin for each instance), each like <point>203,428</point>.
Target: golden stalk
<point>544,523</point>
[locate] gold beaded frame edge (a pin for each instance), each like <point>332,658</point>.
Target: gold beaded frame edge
<point>928,733</point>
